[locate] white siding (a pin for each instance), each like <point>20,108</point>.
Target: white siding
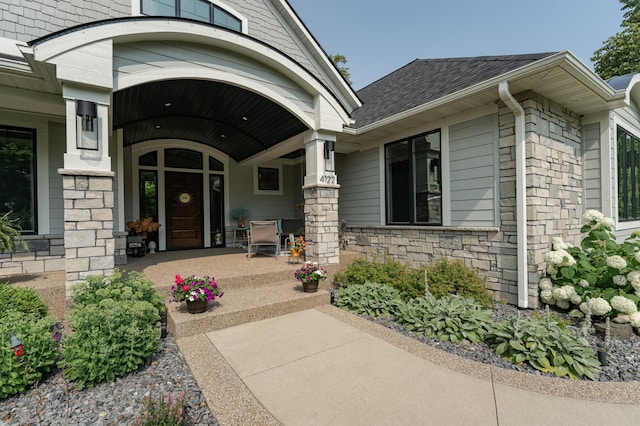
<point>194,59</point>
<point>473,175</point>
<point>261,207</point>
<point>57,148</point>
<point>359,195</point>
<point>592,167</point>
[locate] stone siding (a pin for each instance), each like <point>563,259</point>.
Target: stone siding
<point>555,200</point>
<point>321,225</point>
<point>45,254</point>
<point>554,207</point>
<point>26,20</point>
<point>88,220</point>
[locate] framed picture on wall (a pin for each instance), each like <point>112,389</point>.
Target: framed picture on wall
<point>268,179</point>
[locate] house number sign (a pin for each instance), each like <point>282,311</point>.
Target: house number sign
<point>328,179</point>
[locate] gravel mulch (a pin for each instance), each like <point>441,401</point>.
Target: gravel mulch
<point>623,356</point>
<point>57,402</point>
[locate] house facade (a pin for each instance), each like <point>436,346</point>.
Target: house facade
<point>184,111</point>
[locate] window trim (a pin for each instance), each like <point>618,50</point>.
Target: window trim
<point>635,142</point>
<point>34,177</point>
<point>412,200</point>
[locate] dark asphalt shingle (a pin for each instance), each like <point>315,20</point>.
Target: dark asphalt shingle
<point>425,80</point>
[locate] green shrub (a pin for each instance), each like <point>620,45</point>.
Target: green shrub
<point>35,332</point>
<point>446,277</point>
<point>392,273</point>
<point>109,340</point>
<point>134,287</point>
<point>370,299</point>
<point>21,299</point>
<point>545,345</point>
<point>450,318</point>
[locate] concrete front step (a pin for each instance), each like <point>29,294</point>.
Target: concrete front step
<point>244,304</point>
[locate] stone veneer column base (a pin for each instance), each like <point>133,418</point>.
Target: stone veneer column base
<point>321,224</point>
<point>88,222</point>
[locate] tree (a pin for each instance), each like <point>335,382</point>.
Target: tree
<point>619,54</point>
<point>338,59</point>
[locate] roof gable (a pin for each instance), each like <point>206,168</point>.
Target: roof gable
<point>425,80</point>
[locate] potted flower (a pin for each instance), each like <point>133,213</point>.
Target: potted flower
<point>143,226</point>
<point>239,213</point>
<point>196,291</point>
<point>309,275</point>
<point>297,245</point>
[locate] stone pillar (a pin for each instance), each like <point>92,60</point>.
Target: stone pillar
<point>321,199</point>
<point>88,221</point>
<point>321,224</point>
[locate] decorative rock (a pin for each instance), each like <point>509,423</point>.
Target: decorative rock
<point>618,331</point>
<point>622,319</point>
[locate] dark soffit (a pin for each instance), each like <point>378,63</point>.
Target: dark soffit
<point>231,119</point>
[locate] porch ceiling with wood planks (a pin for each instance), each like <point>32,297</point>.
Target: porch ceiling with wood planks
<point>233,120</point>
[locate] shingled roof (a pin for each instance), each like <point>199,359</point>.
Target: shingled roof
<point>425,80</point>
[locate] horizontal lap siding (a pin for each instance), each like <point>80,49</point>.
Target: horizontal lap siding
<point>592,172</point>
<point>473,175</point>
<point>359,179</point>
<point>133,58</point>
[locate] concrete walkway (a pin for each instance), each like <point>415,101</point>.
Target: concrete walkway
<point>326,367</point>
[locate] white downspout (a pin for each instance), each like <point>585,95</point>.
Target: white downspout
<point>521,193</point>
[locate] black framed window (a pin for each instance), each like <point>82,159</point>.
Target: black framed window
<point>268,179</point>
<point>182,158</point>
<point>18,176</point>
<point>628,176</point>
<point>413,180</point>
<point>199,10</point>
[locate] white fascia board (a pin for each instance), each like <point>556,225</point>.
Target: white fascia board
<point>11,57</point>
<point>575,68</point>
<point>139,30</point>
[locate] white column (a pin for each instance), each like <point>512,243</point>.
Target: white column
<point>320,171</point>
<point>83,159</point>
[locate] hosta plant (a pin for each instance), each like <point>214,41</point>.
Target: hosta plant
<point>372,299</point>
<point>601,277</point>
<point>545,345</point>
<point>450,318</point>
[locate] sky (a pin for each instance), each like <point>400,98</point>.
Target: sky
<point>378,37</point>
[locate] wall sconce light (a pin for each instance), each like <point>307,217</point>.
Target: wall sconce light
<point>329,148</point>
<point>86,125</point>
<point>16,345</point>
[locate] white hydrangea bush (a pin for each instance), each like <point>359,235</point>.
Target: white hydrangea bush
<point>600,277</point>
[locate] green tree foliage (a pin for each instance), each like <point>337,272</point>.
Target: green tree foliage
<point>337,60</point>
<point>619,54</point>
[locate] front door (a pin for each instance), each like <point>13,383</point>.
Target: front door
<point>184,210</point>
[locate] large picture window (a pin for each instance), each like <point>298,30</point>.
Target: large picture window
<point>200,10</point>
<point>628,176</point>
<point>413,180</point>
<point>18,175</point>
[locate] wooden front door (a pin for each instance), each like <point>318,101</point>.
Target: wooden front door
<point>184,210</point>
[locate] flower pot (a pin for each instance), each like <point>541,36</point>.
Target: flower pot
<point>197,306</point>
<point>310,286</point>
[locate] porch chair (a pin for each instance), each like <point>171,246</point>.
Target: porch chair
<point>263,233</point>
